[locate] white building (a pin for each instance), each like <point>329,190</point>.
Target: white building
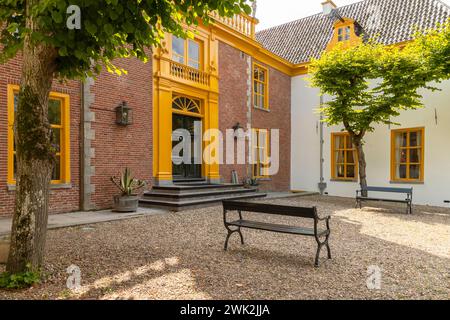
<point>415,154</point>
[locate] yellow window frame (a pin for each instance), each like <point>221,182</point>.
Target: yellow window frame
<point>265,84</point>
<point>186,57</point>
<point>64,153</point>
<point>408,148</point>
<point>257,147</point>
<point>346,164</point>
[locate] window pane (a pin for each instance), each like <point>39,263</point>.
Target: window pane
<point>340,157</point>
<point>401,140</point>
<point>54,111</point>
<point>347,33</point>
<point>350,171</point>
<point>57,170</point>
<point>414,172</point>
<point>16,102</point>
<point>350,157</point>
<point>194,54</point>
<point>195,65</point>
<point>178,49</point>
<point>56,139</point>
<point>400,156</point>
<point>262,76</point>
<point>415,139</point>
<point>256,74</point>
<point>401,171</point>
<point>340,142</point>
<point>340,171</point>
<point>414,155</point>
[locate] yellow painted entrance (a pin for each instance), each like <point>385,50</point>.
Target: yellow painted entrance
<point>181,87</point>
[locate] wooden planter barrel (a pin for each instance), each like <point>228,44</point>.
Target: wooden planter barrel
<point>126,203</point>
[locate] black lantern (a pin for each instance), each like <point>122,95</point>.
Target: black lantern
<point>124,114</point>
<point>237,127</point>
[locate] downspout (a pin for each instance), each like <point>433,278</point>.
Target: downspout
<point>322,184</point>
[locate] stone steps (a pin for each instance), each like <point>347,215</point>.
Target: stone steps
<point>186,196</point>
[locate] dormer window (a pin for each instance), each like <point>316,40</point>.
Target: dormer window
<point>344,34</point>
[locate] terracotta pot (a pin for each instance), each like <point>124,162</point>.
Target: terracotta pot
<point>5,243</point>
<point>126,203</point>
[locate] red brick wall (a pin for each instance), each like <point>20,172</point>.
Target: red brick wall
<point>279,117</point>
<point>118,147</point>
<point>61,200</point>
<point>233,108</point>
<point>232,99</point>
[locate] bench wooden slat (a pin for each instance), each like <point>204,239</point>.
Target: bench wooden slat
<point>408,191</point>
<point>276,228</point>
<point>382,200</point>
<point>270,209</point>
<point>388,189</point>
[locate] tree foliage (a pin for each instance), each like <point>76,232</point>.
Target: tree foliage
<point>434,44</point>
<point>370,83</point>
<point>39,30</point>
<point>109,28</point>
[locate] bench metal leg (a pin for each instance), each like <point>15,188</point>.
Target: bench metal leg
<point>230,232</point>
<point>319,248</point>
<point>316,263</point>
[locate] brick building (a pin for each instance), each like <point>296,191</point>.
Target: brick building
<point>214,72</point>
<point>227,77</point>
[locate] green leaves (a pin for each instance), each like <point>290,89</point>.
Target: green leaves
<point>371,83</point>
<point>109,28</point>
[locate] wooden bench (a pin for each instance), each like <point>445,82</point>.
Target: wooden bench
<point>311,213</point>
<point>408,201</point>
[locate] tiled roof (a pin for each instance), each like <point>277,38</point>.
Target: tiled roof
<point>307,38</point>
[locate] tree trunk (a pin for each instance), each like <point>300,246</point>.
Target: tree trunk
<point>34,155</point>
<point>362,166</point>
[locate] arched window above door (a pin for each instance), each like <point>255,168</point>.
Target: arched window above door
<point>185,104</point>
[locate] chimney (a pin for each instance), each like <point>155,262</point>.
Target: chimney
<point>328,6</point>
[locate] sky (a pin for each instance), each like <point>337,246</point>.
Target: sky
<point>275,12</point>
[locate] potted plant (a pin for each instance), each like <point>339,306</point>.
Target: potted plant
<point>251,182</point>
<point>128,201</point>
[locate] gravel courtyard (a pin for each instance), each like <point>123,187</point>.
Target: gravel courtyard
<point>180,256</point>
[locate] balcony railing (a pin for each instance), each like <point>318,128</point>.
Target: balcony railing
<point>184,72</point>
<point>241,23</point>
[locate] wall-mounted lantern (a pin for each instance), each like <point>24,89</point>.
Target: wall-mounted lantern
<point>124,114</point>
<point>237,130</point>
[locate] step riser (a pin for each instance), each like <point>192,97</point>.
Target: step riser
<point>178,189</point>
<point>199,197</point>
<point>191,191</point>
<point>182,207</point>
<point>198,193</point>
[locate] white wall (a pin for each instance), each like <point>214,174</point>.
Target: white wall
<point>306,146</point>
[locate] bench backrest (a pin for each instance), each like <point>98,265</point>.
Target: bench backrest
<point>393,190</point>
<point>270,209</point>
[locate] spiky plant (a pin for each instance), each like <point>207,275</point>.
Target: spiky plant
<point>127,184</point>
